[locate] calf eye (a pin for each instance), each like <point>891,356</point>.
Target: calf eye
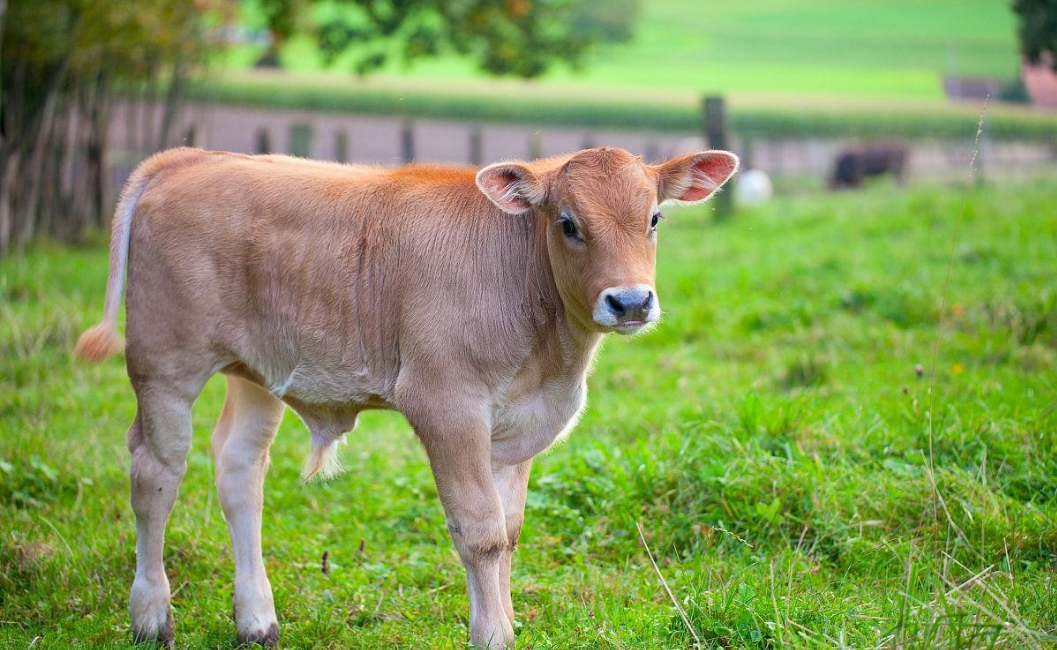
<point>657,216</point>
<point>568,227</point>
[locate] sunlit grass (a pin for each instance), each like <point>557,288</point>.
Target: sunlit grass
<point>875,48</point>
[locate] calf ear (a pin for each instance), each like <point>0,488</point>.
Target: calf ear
<point>513,187</point>
<point>694,177</point>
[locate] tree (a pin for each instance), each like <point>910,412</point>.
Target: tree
<point>1037,29</point>
<point>61,65</point>
<point>508,37</point>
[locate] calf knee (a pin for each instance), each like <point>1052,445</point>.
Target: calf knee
<point>479,541</point>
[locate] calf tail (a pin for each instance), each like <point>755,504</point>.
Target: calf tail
<point>102,341</point>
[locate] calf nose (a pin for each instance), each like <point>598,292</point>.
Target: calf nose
<point>629,302</point>
<point>627,309</point>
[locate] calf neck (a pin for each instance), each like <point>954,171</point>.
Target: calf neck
<point>470,301</point>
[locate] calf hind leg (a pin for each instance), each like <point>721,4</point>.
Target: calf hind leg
<point>241,440</point>
<point>159,439</point>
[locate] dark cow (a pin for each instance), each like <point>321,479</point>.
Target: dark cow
<point>871,159</point>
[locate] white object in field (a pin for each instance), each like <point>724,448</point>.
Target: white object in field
<point>752,187</point>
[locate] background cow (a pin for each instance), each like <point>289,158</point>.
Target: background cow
<point>853,165</point>
<point>471,302</point>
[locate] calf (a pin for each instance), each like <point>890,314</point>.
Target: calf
<point>472,302</point>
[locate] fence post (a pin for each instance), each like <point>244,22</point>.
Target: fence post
<point>407,141</point>
<point>301,140</point>
<point>341,146</point>
<point>535,145</point>
<point>264,141</point>
<point>717,135</point>
<point>475,145</point>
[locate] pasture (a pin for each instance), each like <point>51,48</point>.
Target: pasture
<point>789,68</point>
<point>843,434</point>
<point>874,48</point>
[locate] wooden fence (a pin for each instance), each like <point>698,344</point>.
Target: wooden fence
<point>395,140</point>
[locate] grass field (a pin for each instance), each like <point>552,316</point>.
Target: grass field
<point>870,48</point>
<point>844,434</point>
<point>789,68</point>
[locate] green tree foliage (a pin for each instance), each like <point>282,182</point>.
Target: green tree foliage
<point>508,37</point>
<point>1037,28</point>
<point>60,62</point>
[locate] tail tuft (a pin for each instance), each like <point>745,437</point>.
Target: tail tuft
<point>98,343</point>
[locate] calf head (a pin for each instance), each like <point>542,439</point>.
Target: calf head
<point>601,210</point>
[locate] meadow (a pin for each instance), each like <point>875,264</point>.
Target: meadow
<point>788,68</point>
<point>870,48</point>
<point>843,434</point>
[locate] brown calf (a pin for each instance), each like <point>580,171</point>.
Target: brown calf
<point>471,302</point>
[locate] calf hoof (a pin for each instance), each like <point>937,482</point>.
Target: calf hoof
<point>148,607</point>
<point>269,638</point>
<point>160,633</point>
<point>498,640</point>
<point>255,621</point>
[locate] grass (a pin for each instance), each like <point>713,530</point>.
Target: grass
<point>844,434</point>
<point>789,68</point>
<point>871,48</point>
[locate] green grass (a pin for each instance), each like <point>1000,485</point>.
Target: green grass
<point>872,48</point>
<point>789,68</point>
<point>799,481</point>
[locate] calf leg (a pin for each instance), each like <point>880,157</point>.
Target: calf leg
<point>512,484</point>
<point>241,440</point>
<point>159,439</point>
<point>459,449</point>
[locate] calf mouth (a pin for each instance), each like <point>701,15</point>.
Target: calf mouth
<point>632,326</point>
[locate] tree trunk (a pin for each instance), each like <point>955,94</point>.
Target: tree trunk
<point>35,167</point>
<point>8,180</point>
<point>149,105</point>
<point>55,116</point>
<point>97,118</point>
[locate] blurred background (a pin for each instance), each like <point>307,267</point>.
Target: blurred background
<point>815,94</point>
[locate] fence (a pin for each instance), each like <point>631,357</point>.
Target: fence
<point>395,139</point>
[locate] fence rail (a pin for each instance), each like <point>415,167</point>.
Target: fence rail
<point>355,138</point>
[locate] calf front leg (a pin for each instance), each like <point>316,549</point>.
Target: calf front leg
<point>459,449</point>
<point>512,484</point>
